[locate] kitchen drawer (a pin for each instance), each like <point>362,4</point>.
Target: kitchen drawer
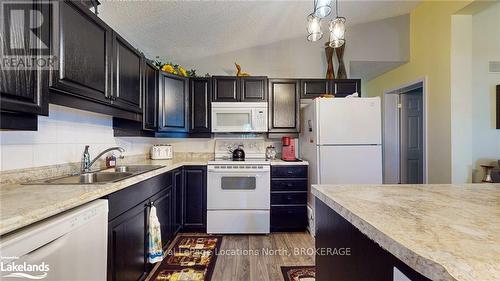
<point>287,198</point>
<point>289,171</point>
<point>288,218</point>
<point>288,185</point>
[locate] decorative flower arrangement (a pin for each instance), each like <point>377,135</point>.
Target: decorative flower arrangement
<point>175,68</point>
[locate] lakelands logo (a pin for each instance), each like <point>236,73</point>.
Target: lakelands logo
<point>24,35</point>
<point>24,270</point>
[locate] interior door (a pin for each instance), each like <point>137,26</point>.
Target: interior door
<point>411,134</point>
<point>350,164</point>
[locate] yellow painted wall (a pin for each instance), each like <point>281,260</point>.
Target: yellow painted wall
<point>430,41</point>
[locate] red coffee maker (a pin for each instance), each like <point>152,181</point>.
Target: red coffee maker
<point>288,150</point>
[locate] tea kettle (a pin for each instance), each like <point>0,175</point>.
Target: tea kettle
<point>239,154</point>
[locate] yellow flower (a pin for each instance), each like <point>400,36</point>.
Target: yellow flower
<point>182,71</point>
<point>168,68</point>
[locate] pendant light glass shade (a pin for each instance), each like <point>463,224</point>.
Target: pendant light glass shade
<point>314,28</point>
<point>337,32</point>
<point>322,8</point>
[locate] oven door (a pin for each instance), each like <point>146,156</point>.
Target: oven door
<point>238,189</point>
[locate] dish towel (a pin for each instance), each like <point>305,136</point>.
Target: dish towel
<point>155,252</point>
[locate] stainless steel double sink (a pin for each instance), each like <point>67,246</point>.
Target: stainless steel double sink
<point>101,177</point>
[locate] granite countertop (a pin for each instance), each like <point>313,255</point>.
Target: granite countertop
<point>445,232</point>
<point>22,205</point>
<point>279,162</point>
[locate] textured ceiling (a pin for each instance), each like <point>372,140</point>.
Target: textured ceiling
<point>193,29</point>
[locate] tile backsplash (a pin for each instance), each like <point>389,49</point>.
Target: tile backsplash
<point>62,136</point>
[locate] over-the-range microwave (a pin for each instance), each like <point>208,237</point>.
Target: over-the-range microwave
<point>239,117</point>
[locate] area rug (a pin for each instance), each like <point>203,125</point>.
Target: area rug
<point>191,258</point>
<point>299,273</point>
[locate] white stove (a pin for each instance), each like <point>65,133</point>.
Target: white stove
<point>238,198</point>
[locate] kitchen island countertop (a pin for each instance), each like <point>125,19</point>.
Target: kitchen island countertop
<point>444,232</point>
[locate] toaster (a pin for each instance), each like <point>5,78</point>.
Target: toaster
<point>162,151</point>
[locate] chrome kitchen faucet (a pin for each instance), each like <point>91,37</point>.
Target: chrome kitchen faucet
<point>87,163</point>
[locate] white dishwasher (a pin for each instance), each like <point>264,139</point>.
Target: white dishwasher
<point>69,246</point>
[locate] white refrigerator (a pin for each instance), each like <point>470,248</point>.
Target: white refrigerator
<point>342,140</point>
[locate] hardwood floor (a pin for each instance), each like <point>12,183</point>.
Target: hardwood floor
<point>260,257</point>
<point>264,256</point>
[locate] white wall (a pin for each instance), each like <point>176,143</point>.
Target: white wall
<point>485,48</point>
<point>461,99</point>
<point>380,41</point>
<point>475,141</point>
<point>62,136</point>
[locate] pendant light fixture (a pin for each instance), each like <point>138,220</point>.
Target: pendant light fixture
<point>314,28</point>
<point>322,8</point>
<point>337,30</point>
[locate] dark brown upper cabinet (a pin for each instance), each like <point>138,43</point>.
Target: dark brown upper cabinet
<point>345,87</point>
<point>150,83</point>
<point>25,90</point>
<point>173,103</point>
<point>226,88</point>
<point>284,106</point>
<point>127,75</point>
<point>199,99</point>
<point>83,44</point>
<point>312,88</point>
<point>235,89</point>
<point>253,88</point>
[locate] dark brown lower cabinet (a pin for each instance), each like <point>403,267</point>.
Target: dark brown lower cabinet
<point>127,245</point>
<point>178,193</point>
<point>195,198</point>
<point>180,200</point>
<point>288,198</point>
<point>164,203</point>
<point>128,226</point>
<point>365,261</point>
